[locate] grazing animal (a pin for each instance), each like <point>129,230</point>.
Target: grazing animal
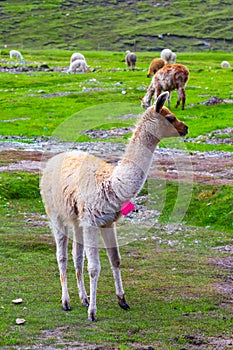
<point>77,56</point>
<point>168,56</point>
<point>225,64</point>
<point>130,60</point>
<point>89,194</point>
<point>77,66</point>
<point>155,65</point>
<point>170,77</point>
<point>16,54</point>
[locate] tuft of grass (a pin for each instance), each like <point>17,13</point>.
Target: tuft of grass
<point>209,206</point>
<point>19,185</point>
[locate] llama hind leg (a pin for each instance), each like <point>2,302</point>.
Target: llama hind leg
<point>61,237</point>
<point>181,97</point>
<point>92,254</point>
<point>78,258</point>
<point>111,244</point>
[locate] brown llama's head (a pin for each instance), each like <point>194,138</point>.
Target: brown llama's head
<point>144,102</point>
<point>169,124</point>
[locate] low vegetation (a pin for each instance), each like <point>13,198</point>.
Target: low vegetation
<point>35,104</point>
<point>117,25</point>
<point>170,287</point>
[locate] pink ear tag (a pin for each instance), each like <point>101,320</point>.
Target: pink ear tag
<point>127,207</point>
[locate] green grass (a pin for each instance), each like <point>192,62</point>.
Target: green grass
<point>117,25</point>
<point>96,96</point>
<point>209,206</point>
<point>170,289</point>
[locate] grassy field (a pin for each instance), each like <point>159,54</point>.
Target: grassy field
<point>193,25</point>
<point>26,110</point>
<point>170,283</point>
<point>174,277</point>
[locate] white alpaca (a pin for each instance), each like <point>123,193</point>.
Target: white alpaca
<point>225,64</point>
<point>16,54</point>
<point>87,193</point>
<point>77,56</point>
<point>168,56</point>
<point>77,66</point>
<point>173,58</point>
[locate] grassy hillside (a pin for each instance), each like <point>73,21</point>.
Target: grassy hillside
<point>117,25</point>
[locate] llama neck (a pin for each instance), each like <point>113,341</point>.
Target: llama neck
<point>130,174</point>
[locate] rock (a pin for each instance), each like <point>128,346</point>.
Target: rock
<point>20,321</point>
<point>17,301</point>
<point>213,100</point>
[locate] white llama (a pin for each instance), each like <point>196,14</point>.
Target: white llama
<point>16,54</point>
<point>77,66</point>
<point>77,56</point>
<point>87,193</point>
<point>225,64</point>
<point>168,56</point>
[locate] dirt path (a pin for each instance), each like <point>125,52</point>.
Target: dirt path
<point>201,167</point>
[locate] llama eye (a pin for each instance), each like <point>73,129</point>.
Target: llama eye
<point>171,119</point>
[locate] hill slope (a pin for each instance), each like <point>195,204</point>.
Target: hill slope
<point>117,25</point>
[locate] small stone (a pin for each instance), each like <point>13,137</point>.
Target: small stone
<point>20,321</point>
<point>17,301</point>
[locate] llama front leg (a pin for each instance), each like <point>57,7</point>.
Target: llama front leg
<point>78,258</point>
<point>111,244</point>
<point>61,238</point>
<point>148,96</point>
<point>92,254</point>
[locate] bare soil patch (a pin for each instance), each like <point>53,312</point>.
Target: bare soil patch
<point>201,167</point>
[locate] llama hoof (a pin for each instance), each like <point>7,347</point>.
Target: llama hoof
<point>124,306</point>
<point>66,306</point>
<point>92,318</point>
<point>85,303</point>
<point>122,302</point>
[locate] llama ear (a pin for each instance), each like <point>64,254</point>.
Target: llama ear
<point>160,101</point>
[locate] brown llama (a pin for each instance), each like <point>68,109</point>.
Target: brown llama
<point>89,194</point>
<point>156,64</point>
<point>170,77</point>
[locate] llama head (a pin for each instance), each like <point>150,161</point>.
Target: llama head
<point>166,123</point>
<point>144,102</point>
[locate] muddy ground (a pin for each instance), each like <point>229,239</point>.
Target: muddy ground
<point>201,167</point>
